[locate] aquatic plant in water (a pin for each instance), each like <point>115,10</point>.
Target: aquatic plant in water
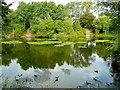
<point>65,43</point>
<point>102,40</point>
<point>44,42</point>
<point>12,42</point>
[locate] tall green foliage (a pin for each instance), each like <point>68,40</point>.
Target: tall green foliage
<point>87,20</point>
<point>102,24</point>
<point>5,20</point>
<point>44,27</point>
<point>68,25</point>
<point>76,9</point>
<point>23,14</point>
<point>77,27</point>
<point>111,9</point>
<point>39,14</point>
<point>47,18</point>
<point>18,29</point>
<point>58,13</point>
<point>59,26</point>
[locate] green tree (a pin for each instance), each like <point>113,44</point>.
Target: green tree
<point>18,29</point>
<point>87,20</point>
<point>23,14</point>
<point>5,20</point>
<point>59,26</point>
<point>58,13</point>
<point>77,27</point>
<point>5,11</point>
<point>68,25</point>
<point>102,24</point>
<point>44,27</point>
<point>76,9</point>
<point>111,9</point>
<point>49,9</point>
<point>42,9</point>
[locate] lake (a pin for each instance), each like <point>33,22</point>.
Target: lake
<point>78,63</point>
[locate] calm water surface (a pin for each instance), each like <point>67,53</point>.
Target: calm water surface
<point>82,64</point>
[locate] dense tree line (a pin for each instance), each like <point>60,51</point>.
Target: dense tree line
<point>47,19</point>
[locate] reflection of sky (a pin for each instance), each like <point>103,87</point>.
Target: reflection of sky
<point>69,76</point>
<point>78,76</point>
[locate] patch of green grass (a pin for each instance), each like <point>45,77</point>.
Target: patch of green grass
<point>44,42</point>
<point>102,40</point>
<point>12,42</point>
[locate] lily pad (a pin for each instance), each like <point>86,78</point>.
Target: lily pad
<point>38,39</point>
<point>82,47</point>
<point>68,43</point>
<point>44,42</point>
<point>52,39</point>
<point>59,45</point>
<point>65,43</point>
<point>101,40</point>
<point>12,42</point>
<point>111,41</point>
<point>81,42</point>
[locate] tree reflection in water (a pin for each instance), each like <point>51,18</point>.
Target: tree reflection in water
<point>46,56</point>
<point>46,62</point>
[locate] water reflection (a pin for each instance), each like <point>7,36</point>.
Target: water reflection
<point>81,64</point>
<point>68,74</point>
<point>48,55</point>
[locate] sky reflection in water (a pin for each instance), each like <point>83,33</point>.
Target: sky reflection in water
<point>69,76</point>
